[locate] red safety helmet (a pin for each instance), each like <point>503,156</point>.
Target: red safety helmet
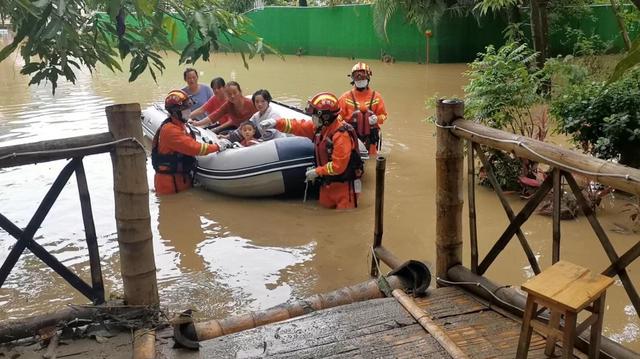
<point>324,103</point>
<point>361,66</point>
<point>176,101</point>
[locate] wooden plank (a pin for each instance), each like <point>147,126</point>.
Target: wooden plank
<point>448,302</point>
<point>376,328</point>
<point>90,234</point>
<point>568,285</point>
<point>624,260</point>
<point>557,206</point>
<point>471,194</point>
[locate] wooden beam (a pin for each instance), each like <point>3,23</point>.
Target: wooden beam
<point>387,257</point>
<point>52,150</point>
<point>604,240</point>
<point>627,258</point>
<point>508,210</point>
<point>90,234</point>
<point>628,179</point>
<point>471,196</point>
<point>513,227</point>
<point>557,206</point>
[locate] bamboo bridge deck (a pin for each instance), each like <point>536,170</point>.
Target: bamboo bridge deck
<point>379,328</point>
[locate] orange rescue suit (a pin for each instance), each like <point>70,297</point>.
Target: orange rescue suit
<point>174,139</point>
<point>338,195</point>
<point>364,101</point>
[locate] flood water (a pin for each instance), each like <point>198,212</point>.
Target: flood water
<point>222,255</point>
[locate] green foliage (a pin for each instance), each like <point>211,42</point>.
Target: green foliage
<point>58,37</point>
<point>506,168</point>
<point>603,120</point>
<point>504,86</point>
<point>422,13</point>
<point>631,60</point>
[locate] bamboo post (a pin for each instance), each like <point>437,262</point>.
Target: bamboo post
<point>449,196</point>
<point>131,193</point>
<point>218,327</point>
<point>381,164</point>
<point>144,344</point>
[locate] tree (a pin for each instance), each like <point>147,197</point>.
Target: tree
<point>57,37</point>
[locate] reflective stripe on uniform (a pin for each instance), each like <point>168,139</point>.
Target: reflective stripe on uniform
<point>287,126</point>
<point>329,167</point>
<point>203,149</point>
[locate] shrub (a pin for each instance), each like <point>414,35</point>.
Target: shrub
<point>603,120</point>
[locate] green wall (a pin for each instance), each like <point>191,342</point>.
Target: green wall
<point>347,31</point>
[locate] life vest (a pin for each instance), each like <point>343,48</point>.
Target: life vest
<point>367,133</point>
<point>324,149</point>
<point>170,163</point>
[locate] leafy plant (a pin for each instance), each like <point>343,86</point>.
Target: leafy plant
<point>56,38</point>
<point>603,120</point>
<point>504,87</point>
<point>506,168</point>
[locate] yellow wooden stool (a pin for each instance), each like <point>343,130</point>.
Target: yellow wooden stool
<point>565,289</point>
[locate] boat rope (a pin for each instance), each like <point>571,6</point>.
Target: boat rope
<point>128,139</point>
<point>547,159</point>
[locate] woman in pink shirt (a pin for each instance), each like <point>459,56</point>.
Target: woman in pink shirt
<point>237,107</point>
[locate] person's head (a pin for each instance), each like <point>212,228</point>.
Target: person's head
<point>361,75</point>
<point>190,75</point>
<point>217,85</point>
<point>178,104</point>
<point>261,100</point>
<point>323,109</point>
<point>248,130</point>
<point>233,92</point>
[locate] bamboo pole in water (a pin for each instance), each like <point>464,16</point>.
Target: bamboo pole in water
<point>131,193</point>
<point>429,325</point>
<point>626,178</point>
<point>144,344</point>
<point>449,195</point>
<point>356,293</point>
<point>381,164</point>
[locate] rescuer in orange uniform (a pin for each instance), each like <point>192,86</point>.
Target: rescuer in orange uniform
<point>339,166</point>
<point>363,107</point>
<point>174,147</point>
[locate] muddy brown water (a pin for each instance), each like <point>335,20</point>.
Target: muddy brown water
<point>222,255</point>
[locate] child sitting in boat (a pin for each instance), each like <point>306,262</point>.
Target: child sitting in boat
<point>261,100</point>
<point>248,131</point>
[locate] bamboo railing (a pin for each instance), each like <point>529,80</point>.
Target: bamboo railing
<point>131,195</point>
<point>452,130</point>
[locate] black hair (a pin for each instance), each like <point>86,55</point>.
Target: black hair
<point>264,93</point>
<point>233,83</point>
<point>217,83</point>
<point>245,123</point>
<point>187,70</point>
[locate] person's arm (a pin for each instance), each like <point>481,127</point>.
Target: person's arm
<point>215,116</point>
<point>379,109</point>
<point>185,144</point>
<point>302,128</point>
<point>340,157</point>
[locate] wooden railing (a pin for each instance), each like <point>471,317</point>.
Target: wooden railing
<point>453,130</point>
<point>131,202</point>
